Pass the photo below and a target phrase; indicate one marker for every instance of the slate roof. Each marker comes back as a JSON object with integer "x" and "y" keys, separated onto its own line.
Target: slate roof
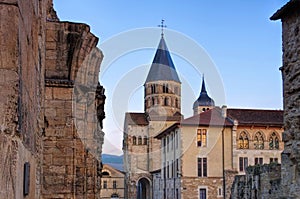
{"x": 289, "y": 8}
{"x": 136, "y": 119}
{"x": 162, "y": 67}
{"x": 204, "y": 99}
{"x": 257, "y": 116}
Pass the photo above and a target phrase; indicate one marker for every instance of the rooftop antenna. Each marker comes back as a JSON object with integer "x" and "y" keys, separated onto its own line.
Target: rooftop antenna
{"x": 162, "y": 27}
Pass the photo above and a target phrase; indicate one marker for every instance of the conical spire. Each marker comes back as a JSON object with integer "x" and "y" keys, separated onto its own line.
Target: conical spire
{"x": 203, "y": 99}
{"x": 162, "y": 67}
{"x": 203, "y": 88}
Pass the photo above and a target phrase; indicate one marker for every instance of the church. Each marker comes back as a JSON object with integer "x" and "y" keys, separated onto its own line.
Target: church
{"x": 167, "y": 156}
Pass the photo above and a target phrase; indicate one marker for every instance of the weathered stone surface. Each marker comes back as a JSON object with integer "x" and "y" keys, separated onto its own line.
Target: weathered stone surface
{"x": 38, "y": 122}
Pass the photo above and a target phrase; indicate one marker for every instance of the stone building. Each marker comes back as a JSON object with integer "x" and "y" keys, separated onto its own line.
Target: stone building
{"x": 281, "y": 181}
{"x": 51, "y": 130}
{"x": 162, "y": 109}
{"x": 112, "y": 182}
{"x": 168, "y": 157}
{"x": 202, "y": 154}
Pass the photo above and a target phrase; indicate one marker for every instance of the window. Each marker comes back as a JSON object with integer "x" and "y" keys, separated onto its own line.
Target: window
{"x": 220, "y": 191}
{"x": 153, "y": 88}
{"x": 243, "y": 142}
{"x": 176, "y": 140}
{"x": 273, "y": 160}
{"x": 201, "y": 137}
{"x": 153, "y": 101}
{"x": 243, "y": 163}
{"x": 171, "y": 142}
{"x": 202, "y": 193}
{"x": 273, "y": 141}
{"x": 165, "y": 88}
{"x": 176, "y": 168}
{"x": 114, "y": 184}
{"x": 165, "y": 173}
{"x": 114, "y": 195}
{"x": 202, "y": 167}
{"x": 168, "y": 144}
{"x": 166, "y": 101}
{"x": 105, "y": 174}
{"x": 168, "y": 170}
{"x": 258, "y": 161}
{"x": 140, "y": 140}
{"x": 145, "y": 140}
{"x": 104, "y": 184}
{"x": 259, "y": 141}
{"x": 164, "y": 145}
{"x": 177, "y": 194}
{"x": 134, "y": 140}
{"x": 176, "y": 103}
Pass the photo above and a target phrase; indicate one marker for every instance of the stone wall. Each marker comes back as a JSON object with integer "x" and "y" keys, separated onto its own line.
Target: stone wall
{"x": 42, "y": 63}
{"x": 73, "y": 112}
{"x": 291, "y": 94}
{"x": 22, "y": 61}
{"x": 259, "y": 182}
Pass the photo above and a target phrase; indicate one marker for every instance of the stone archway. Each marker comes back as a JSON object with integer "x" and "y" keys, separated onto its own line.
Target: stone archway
{"x": 143, "y": 189}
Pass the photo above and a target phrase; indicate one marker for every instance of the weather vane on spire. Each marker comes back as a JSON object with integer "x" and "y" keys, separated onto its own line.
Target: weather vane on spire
{"x": 162, "y": 27}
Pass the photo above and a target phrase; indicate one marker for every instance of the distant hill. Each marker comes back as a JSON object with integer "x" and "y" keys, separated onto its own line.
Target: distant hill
{"x": 113, "y": 160}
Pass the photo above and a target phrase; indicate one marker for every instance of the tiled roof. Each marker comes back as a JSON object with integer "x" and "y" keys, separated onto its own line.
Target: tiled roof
{"x": 212, "y": 117}
{"x": 162, "y": 67}
{"x": 290, "y": 7}
{"x": 136, "y": 119}
{"x": 256, "y": 116}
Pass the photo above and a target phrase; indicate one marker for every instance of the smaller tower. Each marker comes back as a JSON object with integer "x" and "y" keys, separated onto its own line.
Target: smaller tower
{"x": 204, "y": 102}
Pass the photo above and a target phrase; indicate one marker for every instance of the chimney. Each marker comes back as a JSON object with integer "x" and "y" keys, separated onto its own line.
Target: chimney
{"x": 224, "y": 111}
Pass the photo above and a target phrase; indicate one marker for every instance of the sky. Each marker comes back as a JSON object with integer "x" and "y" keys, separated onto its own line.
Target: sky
{"x": 233, "y": 43}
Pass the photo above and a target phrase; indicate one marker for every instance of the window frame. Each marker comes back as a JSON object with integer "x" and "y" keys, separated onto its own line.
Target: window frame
{"x": 201, "y": 138}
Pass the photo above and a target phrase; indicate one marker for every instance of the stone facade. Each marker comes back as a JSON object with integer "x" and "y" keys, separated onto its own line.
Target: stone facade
{"x": 206, "y": 165}
{"x": 112, "y": 182}
{"x": 291, "y": 93}
{"x": 49, "y": 94}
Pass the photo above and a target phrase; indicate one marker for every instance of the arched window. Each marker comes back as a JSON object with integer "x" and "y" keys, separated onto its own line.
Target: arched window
{"x": 145, "y": 140}
{"x": 153, "y": 101}
{"x": 243, "y": 142}
{"x": 165, "y": 88}
{"x": 258, "y": 141}
{"x": 134, "y": 140}
{"x": 105, "y": 174}
{"x": 140, "y": 140}
{"x": 114, "y": 195}
{"x": 153, "y": 88}
{"x": 166, "y": 101}
{"x": 274, "y": 141}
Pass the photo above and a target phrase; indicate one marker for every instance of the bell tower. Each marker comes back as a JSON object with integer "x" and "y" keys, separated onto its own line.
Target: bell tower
{"x": 162, "y": 87}
{"x": 204, "y": 102}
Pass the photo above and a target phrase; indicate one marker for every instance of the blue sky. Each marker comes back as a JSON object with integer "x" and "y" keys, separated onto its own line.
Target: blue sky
{"x": 238, "y": 37}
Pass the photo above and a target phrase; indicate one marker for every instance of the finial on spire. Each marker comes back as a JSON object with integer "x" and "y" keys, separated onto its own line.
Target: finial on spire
{"x": 162, "y": 27}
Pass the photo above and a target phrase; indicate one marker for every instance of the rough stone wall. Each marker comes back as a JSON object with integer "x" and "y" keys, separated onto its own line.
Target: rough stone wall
{"x": 22, "y": 61}
{"x": 38, "y": 124}
{"x": 73, "y": 113}
{"x": 291, "y": 94}
{"x": 259, "y": 182}
{"x": 191, "y": 185}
